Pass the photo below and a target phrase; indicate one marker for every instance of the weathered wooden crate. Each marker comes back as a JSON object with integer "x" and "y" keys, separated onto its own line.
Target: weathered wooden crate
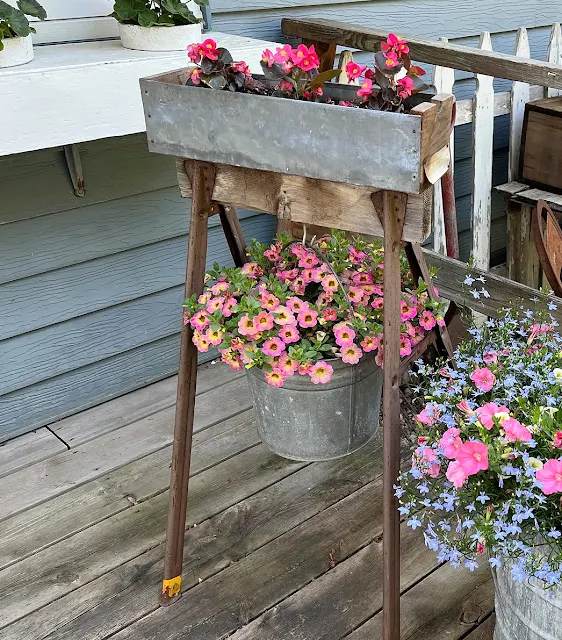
{"x": 541, "y": 144}
{"x": 307, "y": 162}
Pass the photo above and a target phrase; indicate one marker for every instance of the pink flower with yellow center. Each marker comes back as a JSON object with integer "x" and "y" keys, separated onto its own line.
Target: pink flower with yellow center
{"x": 483, "y": 378}
{"x": 330, "y": 314}
{"x": 228, "y": 307}
{"x": 268, "y": 57}
{"x": 219, "y": 287}
{"x": 304, "y": 369}
{"x": 201, "y": 342}
{"x": 354, "y": 70}
{"x": 391, "y": 60}
{"x": 308, "y": 260}
{"x": 273, "y": 347}
{"x": 369, "y": 343}
{"x": 318, "y": 273}
{"x": 246, "y": 326}
{"x": 186, "y": 317}
{"x": 351, "y": 354}
{"x": 286, "y": 365}
{"x": 427, "y": 320}
{"x": 378, "y": 303}
{"x": 283, "y": 315}
{"x": 487, "y": 413}
{"x": 344, "y": 335}
{"x": 407, "y": 312}
{"x": 550, "y": 477}
{"x": 321, "y": 373}
{"x": 196, "y": 76}
{"x": 269, "y": 301}
{"x": 204, "y": 297}
{"x": 405, "y": 87}
{"x": 215, "y": 304}
{"x": 231, "y": 358}
{"x": 296, "y": 305}
{"x": 473, "y": 457}
{"x": 366, "y": 88}
{"x": 200, "y": 320}
{"x": 306, "y": 275}
{"x": 307, "y": 318}
{"x": 456, "y": 474}
{"x": 330, "y": 283}
{"x": 252, "y": 270}
{"x": 275, "y": 378}
{"x": 282, "y": 54}
{"x": 298, "y": 286}
{"x": 214, "y": 336}
{"x": 289, "y": 334}
{"x": 405, "y": 346}
{"x": 263, "y": 321}
{"x": 362, "y": 278}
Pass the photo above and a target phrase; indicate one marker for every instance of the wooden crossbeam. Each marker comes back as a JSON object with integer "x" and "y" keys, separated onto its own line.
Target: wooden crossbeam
{"x": 443, "y": 54}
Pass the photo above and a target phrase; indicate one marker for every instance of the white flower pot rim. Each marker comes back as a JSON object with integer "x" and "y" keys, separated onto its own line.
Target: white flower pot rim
{"x": 16, "y": 51}
{"x": 160, "y": 37}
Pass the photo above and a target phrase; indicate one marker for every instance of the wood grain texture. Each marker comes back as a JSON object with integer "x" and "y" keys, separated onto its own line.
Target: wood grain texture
{"x": 532, "y": 196}
{"x": 554, "y": 55}
{"x": 523, "y": 263}
{"x": 315, "y": 202}
{"x": 485, "y": 631}
{"x": 520, "y": 95}
{"x": 94, "y": 458}
{"x": 64, "y": 515}
{"x": 25, "y": 450}
{"x": 542, "y": 137}
{"x": 444, "y": 54}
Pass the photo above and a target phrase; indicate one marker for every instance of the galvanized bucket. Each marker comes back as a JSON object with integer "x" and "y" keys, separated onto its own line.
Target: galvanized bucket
{"x": 526, "y": 610}
{"x": 309, "y": 422}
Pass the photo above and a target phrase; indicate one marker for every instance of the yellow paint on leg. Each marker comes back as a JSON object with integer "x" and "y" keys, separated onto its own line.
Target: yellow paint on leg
{"x": 171, "y": 587}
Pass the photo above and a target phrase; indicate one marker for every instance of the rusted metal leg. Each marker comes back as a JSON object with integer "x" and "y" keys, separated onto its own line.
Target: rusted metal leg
{"x": 394, "y": 210}
{"x": 234, "y": 234}
{"x": 450, "y": 213}
{"x": 203, "y": 182}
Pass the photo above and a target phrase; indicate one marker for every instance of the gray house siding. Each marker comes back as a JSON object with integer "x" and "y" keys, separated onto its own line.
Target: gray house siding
{"x": 91, "y": 288}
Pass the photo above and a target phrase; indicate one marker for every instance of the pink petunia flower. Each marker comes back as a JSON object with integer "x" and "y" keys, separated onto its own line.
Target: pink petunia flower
{"x": 427, "y": 320}
{"x": 464, "y": 407}
{"x": 275, "y": 378}
{"x": 351, "y": 354}
{"x": 456, "y": 474}
{"x": 289, "y": 333}
{"x": 490, "y": 357}
{"x": 473, "y": 457}
{"x": 425, "y": 458}
{"x": 483, "y": 378}
{"x": 514, "y": 430}
{"x": 451, "y": 443}
{"x": 557, "y": 441}
{"x": 550, "y": 477}
{"x": 321, "y": 373}
{"x": 308, "y": 318}
{"x": 487, "y": 412}
{"x": 273, "y": 347}
{"x": 429, "y": 415}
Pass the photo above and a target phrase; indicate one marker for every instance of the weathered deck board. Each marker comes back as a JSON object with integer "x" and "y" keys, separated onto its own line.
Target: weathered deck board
{"x": 93, "y": 459}
{"x": 485, "y": 631}
{"x": 25, "y": 450}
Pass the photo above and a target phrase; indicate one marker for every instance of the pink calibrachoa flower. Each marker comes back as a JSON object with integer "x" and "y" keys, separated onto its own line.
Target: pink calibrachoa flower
{"x": 252, "y": 270}
{"x": 215, "y": 304}
{"x": 246, "y": 326}
{"x": 356, "y": 256}
{"x": 451, "y": 443}
{"x": 418, "y": 335}
{"x": 366, "y": 88}
{"x": 272, "y": 254}
{"x": 356, "y": 295}
{"x": 275, "y": 377}
{"x": 351, "y": 354}
{"x": 186, "y": 317}
{"x": 354, "y": 70}
{"x": 369, "y": 343}
{"x": 200, "y": 320}
{"x": 214, "y": 336}
{"x": 269, "y": 301}
{"x": 407, "y": 312}
{"x": 483, "y": 378}
{"x": 514, "y": 430}
{"x": 427, "y": 320}
{"x": 201, "y": 342}
{"x": 219, "y": 287}
{"x": 329, "y": 314}
{"x": 456, "y": 474}
{"x": 473, "y": 457}
{"x": 330, "y": 283}
{"x": 263, "y": 321}
{"x": 283, "y": 315}
{"x": 550, "y": 477}
{"x": 304, "y": 369}
{"x": 289, "y": 333}
{"x": 228, "y": 306}
{"x": 308, "y": 260}
{"x": 344, "y": 335}
{"x": 204, "y": 297}
{"x": 296, "y": 305}
{"x": 557, "y": 440}
{"x": 429, "y": 415}
{"x": 308, "y": 318}
{"x": 487, "y": 412}
{"x": 273, "y": 347}
{"x": 321, "y": 372}
{"x": 405, "y": 346}
{"x": 287, "y": 366}
{"x": 378, "y": 303}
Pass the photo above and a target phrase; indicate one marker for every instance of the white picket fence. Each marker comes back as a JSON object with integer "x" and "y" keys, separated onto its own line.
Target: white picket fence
{"x": 481, "y": 110}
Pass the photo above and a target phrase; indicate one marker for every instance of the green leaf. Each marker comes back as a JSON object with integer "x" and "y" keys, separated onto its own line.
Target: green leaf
{"x": 147, "y": 18}
{"x": 224, "y": 55}
{"x": 217, "y": 81}
{"x": 323, "y": 77}
{"x": 32, "y": 8}
{"x": 128, "y": 10}
{"x": 275, "y": 72}
{"x": 1, "y": 45}
{"x": 16, "y": 20}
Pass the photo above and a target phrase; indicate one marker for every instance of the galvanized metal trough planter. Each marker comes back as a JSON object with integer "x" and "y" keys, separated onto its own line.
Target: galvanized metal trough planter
{"x": 309, "y": 158}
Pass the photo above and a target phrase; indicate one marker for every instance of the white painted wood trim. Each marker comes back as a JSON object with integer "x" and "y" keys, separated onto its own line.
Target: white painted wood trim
{"x": 483, "y": 136}
{"x": 554, "y": 55}
{"x": 92, "y": 88}
{"x": 520, "y": 95}
{"x": 65, "y": 9}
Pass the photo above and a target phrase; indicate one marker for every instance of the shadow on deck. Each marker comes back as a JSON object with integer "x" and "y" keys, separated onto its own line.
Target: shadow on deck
{"x": 275, "y": 550}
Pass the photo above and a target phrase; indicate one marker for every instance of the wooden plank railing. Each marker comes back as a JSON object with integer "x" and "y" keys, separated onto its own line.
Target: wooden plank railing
{"x": 533, "y": 79}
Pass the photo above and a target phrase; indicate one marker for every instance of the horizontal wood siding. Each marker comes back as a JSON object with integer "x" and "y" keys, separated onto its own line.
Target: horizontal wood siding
{"x": 91, "y": 288}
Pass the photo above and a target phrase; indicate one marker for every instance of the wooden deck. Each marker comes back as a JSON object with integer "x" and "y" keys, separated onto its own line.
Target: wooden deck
{"x": 276, "y": 550}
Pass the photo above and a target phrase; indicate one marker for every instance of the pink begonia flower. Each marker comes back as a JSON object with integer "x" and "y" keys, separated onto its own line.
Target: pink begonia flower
{"x": 427, "y": 320}
{"x": 366, "y": 88}
{"x": 514, "y": 430}
{"x": 369, "y": 343}
{"x": 425, "y": 459}
{"x": 490, "y": 357}
{"x": 305, "y": 57}
{"x": 394, "y": 42}
{"x": 267, "y": 57}
{"x": 343, "y": 335}
{"x": 351, "y": 354}
{"x": 557, "y": 441}
{"x": 263, "y": 321}
{"x": 451, "y": 443}
{"x": 464, "y": 407}
{"x": 195, "y": 76}
{"x": 473, "y": 457}
{"x": 275, "y": 378}
{"x": 405, "y": 346}
{"x": 321, "y": 373}
{"x": 483, "y": 378}
{"x": 456, "y": 474}
{"x": 354, "y": 70}
{"x": 282, "y": 54}
{"x": 193, "y": 52}
{"x": 289, "y": 333}
{"x": 405, "y": 87}
{"x": 550, "y": 477}
{"x": 209, "y": 49}
{"x": 308, "y": 318}
{"x": 391, "y": 60}
{"x": 241, "y": 67}
{"x": 487, "y": 412}
{"x": 200, "y": 320}
{"x": 283, "y": 315}
{"x": 429, "y": 415}
{"x": 286, "y": 85}
{"x": 345, "y": 103}
{"x": 273, "y": 347}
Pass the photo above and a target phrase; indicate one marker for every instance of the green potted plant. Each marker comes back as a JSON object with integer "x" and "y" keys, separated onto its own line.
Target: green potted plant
{"x": 305, "y": 321}
{"x": 486, "y": 475}
{"x": 158, "y": 25}
{"x": 16, "y": 46}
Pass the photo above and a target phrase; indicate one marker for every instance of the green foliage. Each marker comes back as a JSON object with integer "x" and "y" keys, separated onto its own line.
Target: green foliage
{"x": 14, "y": 24}
{"x": 151, "y": 13}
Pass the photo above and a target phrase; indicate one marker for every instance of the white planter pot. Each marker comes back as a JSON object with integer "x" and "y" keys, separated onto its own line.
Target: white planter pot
{"x": 16, "y": 51}
{"x": 161, "y": 38}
